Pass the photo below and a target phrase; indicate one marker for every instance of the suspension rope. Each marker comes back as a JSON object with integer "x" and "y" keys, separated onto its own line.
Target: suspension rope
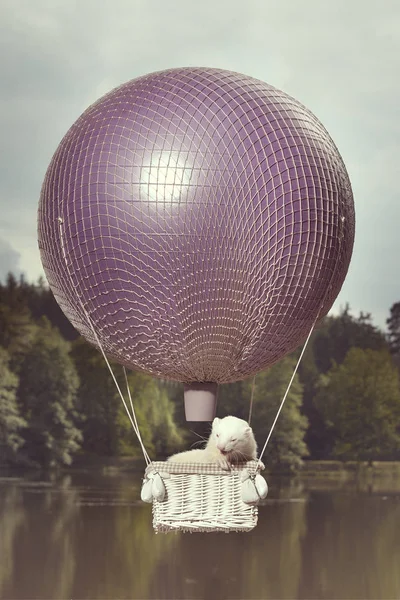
{"x": 132, "y": 417}
{"x": 137, "y": 430}
{"x": 287, "y": 391}
{"x": 251, "y": 399}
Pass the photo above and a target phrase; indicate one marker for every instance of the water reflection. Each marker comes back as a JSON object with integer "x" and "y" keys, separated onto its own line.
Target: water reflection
{"x": 90, "y": 537}
{"x": 40, "y": 551}
{"x": 356, "y": 555}
{"x": 11, "y": 518}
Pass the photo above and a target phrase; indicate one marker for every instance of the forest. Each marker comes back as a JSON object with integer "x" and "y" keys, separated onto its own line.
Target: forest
{"x": 59, "y": 404}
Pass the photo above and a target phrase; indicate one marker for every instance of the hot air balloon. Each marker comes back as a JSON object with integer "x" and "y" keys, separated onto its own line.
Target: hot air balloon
{"x": 195, "y": 222}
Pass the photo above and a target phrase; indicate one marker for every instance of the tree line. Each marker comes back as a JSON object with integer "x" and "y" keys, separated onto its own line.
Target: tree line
{"x": 58, "y": 402}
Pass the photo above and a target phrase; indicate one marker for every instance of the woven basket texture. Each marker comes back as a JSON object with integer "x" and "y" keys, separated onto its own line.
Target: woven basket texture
{"x": 202, "y": 498}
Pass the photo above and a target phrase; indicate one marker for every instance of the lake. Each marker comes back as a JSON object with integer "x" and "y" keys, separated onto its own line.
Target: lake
{"x": 88, "y": 536}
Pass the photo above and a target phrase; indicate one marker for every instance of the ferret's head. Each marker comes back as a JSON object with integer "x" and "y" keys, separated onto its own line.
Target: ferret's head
{"x": 232, "y": 436}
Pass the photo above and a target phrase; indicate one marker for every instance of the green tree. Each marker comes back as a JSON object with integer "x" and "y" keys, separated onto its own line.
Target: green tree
{"x": 329, "y": 344}
{"x": 11, "y": 422}
{"x": 337, "y": 334}
{"x": 156, "y": 415}
{"x": 33, "y": 300}
{"x": 106, "y": 428}
{"x": 286, "y": 446}
{"x": 317, "y": 437}
{"x": 233, "y": 399}
{"x": 360, "y": 401}
{"x": 175, "y": 392}
{"x": 47, "y": 394}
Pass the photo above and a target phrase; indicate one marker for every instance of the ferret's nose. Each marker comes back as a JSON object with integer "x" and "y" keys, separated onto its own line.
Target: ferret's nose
{"x": 220, "y": 447}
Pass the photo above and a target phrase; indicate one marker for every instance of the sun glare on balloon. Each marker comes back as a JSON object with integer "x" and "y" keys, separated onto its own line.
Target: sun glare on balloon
{"x": 166, "y": 178}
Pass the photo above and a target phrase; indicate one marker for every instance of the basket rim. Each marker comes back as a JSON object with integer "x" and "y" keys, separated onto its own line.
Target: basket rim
{"x": 173, "y": 468}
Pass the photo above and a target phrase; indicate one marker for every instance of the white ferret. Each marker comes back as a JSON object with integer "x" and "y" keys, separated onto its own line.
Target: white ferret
{"x": 231, "y": 441}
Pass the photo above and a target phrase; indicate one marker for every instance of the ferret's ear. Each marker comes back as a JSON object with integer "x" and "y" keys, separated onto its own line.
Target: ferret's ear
{"x": 215, "y": 422}
{"x": 247, "y": 430}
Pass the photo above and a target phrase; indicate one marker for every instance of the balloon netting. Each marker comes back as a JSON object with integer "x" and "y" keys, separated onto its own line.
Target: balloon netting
{"x": 205, "y": 218}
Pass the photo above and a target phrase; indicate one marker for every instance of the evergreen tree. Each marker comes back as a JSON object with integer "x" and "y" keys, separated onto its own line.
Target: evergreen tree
{"x": 337, "y": 334}
{"x": 16, "y": 332}
{"x": 41, "y": 303}
{"x": 360, "y": 401}
{"x": 47, "y": 394}
{"x": 35, "y": 300}
{"x": 11, "y": 422}
{"x": 393, "y": 323}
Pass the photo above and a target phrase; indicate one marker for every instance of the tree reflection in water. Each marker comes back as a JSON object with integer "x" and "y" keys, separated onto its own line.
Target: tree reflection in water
{"x": 91, "y": 537}
{"x": 11, "y": 519}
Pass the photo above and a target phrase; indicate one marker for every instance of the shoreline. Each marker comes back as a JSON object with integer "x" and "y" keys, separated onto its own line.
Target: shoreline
{"x": 382, "y": 478}
{"x": 310, "y": 468}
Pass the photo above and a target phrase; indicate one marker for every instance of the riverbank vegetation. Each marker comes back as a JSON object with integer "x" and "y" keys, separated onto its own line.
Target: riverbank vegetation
{"x": 58, "y": 403}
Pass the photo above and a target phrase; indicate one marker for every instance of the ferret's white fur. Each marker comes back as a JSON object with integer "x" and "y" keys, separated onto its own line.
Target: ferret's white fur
{"x": 231, "y": 441}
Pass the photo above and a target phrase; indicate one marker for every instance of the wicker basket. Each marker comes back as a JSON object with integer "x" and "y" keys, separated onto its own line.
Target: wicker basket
{"x": 202, "y": 497}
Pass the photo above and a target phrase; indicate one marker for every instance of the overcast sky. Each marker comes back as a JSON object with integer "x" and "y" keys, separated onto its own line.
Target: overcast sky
{"x": 341, "y": 59}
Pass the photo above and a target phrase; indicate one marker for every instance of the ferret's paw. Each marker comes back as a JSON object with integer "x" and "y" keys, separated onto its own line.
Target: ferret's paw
{"x": 224, "y": 464}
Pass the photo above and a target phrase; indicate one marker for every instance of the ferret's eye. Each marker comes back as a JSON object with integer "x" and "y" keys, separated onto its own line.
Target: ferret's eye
{"x": 217, "y": 434}
{"x": 233, "y": 439}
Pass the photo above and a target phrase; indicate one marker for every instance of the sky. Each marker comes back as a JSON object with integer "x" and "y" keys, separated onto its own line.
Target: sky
{"x": 341, "y": 59}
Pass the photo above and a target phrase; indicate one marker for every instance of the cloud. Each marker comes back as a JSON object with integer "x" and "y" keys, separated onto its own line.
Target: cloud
{"x": 341, "y": 59}
{"x": 9, "y": 260}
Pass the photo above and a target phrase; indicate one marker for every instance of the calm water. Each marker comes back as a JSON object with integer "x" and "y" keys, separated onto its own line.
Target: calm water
{"x": 89, "y": 537}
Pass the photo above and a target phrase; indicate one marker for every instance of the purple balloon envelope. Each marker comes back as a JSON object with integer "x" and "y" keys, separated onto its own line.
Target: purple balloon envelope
{"x": 202, "y": 220}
